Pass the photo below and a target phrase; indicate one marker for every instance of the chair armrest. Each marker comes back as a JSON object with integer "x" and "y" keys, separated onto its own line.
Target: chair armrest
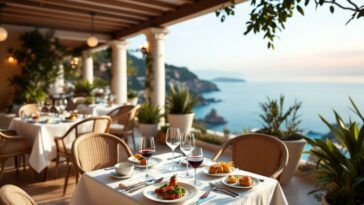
{"x": 8, "y": 132}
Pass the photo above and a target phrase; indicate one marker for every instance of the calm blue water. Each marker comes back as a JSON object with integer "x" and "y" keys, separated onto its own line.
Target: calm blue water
{"x": 240, "y": 105}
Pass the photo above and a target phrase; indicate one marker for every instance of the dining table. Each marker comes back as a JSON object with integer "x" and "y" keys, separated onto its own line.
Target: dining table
{"x": 40, "y": 136}
{"x": 97, "y": 109}
{"x": 100, "y": 187}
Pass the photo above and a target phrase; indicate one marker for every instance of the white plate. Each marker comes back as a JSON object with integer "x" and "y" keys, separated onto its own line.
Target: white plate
{"x": 149, "y": 193}
{"x": 237, "y": 185}
{"x": 151, "y": 162}
{"x": 115, "y": 175}
{"x": 206, "y": 171}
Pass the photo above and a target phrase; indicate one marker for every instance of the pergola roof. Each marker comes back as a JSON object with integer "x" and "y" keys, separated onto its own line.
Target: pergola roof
{"x": 117, "y": 18}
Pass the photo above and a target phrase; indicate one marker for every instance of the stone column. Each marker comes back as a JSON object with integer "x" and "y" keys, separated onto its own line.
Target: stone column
{"x": 155, "y": 37}
{"x": 119, "y": 81}
{"x": 58, "y": 85}
{"x": 88, "y": 68}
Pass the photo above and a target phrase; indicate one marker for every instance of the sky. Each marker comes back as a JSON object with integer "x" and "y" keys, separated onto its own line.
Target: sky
{"x": 315, "y": 47}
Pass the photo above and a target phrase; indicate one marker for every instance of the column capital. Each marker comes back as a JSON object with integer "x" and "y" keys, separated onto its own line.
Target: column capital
{"x": 120, "y": 44}
{"x": 156, "y": 33}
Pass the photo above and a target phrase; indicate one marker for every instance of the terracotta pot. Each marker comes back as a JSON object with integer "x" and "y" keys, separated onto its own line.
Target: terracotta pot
{"x": 183, "y": 122}
{"x": 295, "y": 149}
{"x": 148, "y": 129}
{"x": 161, "y": 136}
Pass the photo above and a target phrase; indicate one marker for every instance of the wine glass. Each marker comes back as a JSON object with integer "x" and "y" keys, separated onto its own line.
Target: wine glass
{"x": 63, "y": 105}
{"x": 147, "y": 149}
{"x": 187, "y": 144}
{"x": 173, "y": 139}
{"x": 58, "y": 106}
{"x": 195, "y": 159}
{"x": 40, "y": 105}
{"x": 48, "y": 104}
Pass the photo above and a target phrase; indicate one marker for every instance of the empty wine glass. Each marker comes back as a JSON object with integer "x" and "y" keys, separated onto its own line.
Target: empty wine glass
{"x": 40, "y": 105}
{"x": 173, "y": 139}
{"x": 195, "y": 159}
{"x": 147, "y": 149}
{"x": 187, "y": 144}
{"x": 48, "y": 104}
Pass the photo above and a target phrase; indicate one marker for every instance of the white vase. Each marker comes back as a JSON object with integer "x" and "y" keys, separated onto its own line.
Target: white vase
{"x": 183, "y": 121}
{"x": 133, "y": 101}
{"x": 295, "y": 149}
{"x": 148, "y": 129}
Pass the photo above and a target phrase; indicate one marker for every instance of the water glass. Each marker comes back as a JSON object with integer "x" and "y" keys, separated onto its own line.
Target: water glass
{"x": 186, "y": 146}
{"x": 173, "y": 140}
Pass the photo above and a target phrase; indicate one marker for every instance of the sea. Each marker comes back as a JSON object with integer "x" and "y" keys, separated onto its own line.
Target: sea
{"x": 240, "y": 104}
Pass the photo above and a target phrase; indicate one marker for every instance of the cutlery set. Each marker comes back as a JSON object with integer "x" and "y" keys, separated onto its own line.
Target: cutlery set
{"x": 135, "y": 187}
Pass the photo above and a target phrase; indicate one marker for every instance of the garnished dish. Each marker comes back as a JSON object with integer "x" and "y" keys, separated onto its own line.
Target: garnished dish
{"x": 240, "y": 181}
{"x": 220, "y": 169}
{"x": 170, "y": 190}
{"x": 141, "y": 159}
{"x": 72, "y": 117}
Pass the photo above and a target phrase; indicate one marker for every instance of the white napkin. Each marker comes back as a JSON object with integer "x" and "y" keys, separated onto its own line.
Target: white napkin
{"x": 129, "y": 182}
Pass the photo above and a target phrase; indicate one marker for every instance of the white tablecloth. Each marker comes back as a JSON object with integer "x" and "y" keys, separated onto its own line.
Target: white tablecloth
{"x": 98, "y": 187}
{"x": 41, "y": 137}
{"x": 97, "y": 109}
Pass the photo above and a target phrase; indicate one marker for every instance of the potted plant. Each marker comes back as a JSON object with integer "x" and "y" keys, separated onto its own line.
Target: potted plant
{"x": 132, "y": 97}
{"x": 149, "y": 116}
{"x": 179, "y": 106}
{"x": 340, "y": 166}
{"x": 284, "y": 124}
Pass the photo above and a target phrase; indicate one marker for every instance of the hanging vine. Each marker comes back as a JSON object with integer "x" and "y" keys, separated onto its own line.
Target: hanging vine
{"x": 148, "y": 74}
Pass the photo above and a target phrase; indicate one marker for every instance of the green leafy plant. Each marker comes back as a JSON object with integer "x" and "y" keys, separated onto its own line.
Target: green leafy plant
{"x": 210, "y": 138}
{"x": 39, "y": 58}
{"x": 274, "y": 117}
{"x": 132, "y": 94}
{"x": 270, "y": 16}
{"x": 180, "y": 100}
{"x": 340, "y": 166}
{"x": 149, "y": 114}
{"x": 83, "y": 87}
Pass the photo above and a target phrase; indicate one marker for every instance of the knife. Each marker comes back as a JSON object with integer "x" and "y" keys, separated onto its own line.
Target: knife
{"x": 203, "y": 196}
{"x": 200, "y": 201}
{"x": 145, "y": 185}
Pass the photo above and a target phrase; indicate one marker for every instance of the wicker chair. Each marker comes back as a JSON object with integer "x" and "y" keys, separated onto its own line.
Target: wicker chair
{"x": 13, "y": 195}
{"x": 12, "y": 145}
{"x": 96, "y": 151}
{"x": 28, "y": 109}
{"x": 100, "y": 124}
{"x": 123, "y": 118}
{"x": 257, "y": 153}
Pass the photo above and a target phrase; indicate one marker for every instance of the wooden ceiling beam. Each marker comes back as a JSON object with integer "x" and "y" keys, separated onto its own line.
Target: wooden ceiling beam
{"x": 53, "y": 23}
{"x": 168, "y": 18}
{"x": 32, "y": 13}
{"x": 153, "y": 4}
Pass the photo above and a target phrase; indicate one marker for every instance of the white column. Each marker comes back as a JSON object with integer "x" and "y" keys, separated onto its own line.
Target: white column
{"x": 155, "y": 37}
{"x": 119, "y": 81}
{"x": 88, "y": 68}
{"x": 58, "y": 85}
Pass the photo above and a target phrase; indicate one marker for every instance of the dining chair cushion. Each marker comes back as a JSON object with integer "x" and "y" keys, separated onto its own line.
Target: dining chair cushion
{"x": 116, "y": 128}
{"x": 13, "y": 195}
{"x": 12, "y": 146}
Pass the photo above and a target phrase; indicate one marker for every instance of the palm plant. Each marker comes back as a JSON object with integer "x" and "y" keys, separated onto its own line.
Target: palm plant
{"x": 149, "y": 114}
{"x": 340, "y": 166}
{"x": 180, "y": 100}
{"x": 274, "y": 117}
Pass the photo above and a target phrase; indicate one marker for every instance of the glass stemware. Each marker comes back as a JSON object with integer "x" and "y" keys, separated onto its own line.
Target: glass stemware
{"x": 147, "y": 149}
{"x": 40, "y": 105}
{"x": 195, "y": 159}
{"x": 187, "y": 144}
{"x": 173, "y": 140}
{"x": 58, "y": 106}
{"x": 48, "y": 104}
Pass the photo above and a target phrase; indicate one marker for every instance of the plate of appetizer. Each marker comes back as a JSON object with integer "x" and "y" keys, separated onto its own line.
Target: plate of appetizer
{"x": 220, "y": 169}
{"x": 139, "y": 161}
{"x": 170, "y": 192}
{"x": 240, "y": 181}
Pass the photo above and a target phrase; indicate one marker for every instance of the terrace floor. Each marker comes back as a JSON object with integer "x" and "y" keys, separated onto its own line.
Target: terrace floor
{"x": 50, "y": 191}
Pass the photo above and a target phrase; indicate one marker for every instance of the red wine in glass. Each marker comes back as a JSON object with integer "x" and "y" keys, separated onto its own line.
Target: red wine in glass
{"x": 147, "y": 153}
{"x": 195, "y": 162}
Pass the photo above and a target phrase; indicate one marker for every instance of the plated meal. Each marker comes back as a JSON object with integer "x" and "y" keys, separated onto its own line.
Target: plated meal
{"x": 240, "y": 181}
{"x": 139, "y": 161}
{"x": 220, "y": 169}
{"x": 170, "y": 190}
{"x": 72, "y": 117}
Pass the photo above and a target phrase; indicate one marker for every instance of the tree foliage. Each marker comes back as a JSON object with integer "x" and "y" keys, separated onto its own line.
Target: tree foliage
{"x": 270, "y": 16}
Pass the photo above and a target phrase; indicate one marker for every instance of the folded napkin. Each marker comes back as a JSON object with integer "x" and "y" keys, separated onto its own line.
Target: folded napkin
{"x": 130, "y": 182}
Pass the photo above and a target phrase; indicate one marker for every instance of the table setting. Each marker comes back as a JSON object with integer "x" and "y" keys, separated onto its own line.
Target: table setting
{"x": 169, "y": 181}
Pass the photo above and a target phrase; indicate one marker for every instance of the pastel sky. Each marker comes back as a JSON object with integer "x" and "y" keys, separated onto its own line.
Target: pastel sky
{"x": 315, "y": 47}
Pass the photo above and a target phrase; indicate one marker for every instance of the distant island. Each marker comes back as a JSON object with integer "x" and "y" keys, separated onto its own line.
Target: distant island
{"x": 228, "y": 79}
{"x": 213, "y": 118}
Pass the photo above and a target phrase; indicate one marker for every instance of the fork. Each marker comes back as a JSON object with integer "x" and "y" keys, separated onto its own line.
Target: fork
{"x": 225, "y": 191}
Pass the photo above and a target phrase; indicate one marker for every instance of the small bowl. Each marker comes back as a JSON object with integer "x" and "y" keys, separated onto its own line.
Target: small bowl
{"x": 124, "y": 168}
